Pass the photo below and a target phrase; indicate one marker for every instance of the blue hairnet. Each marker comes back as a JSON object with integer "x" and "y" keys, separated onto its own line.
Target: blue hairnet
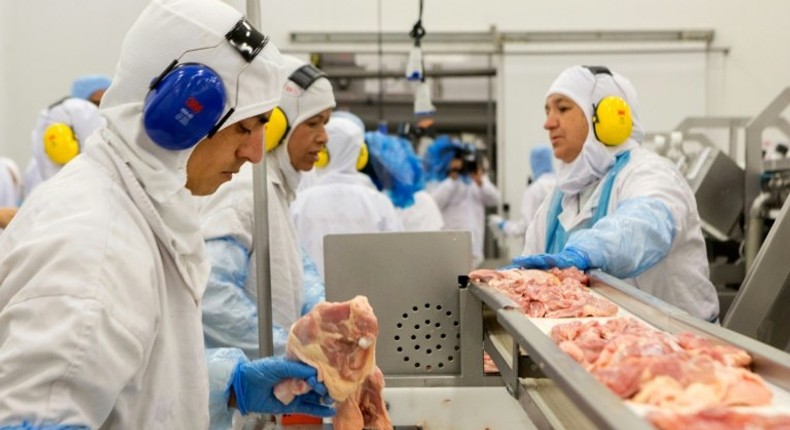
{"x": 438, "y": 156}
{"x": 397, "y": 168}
{"x": 541, "y": 159}
{"x": 86, "y": 85}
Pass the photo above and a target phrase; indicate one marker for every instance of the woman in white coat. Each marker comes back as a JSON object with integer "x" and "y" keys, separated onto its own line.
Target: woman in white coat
{"x": 618, "y": 207}
{"x": 295, "y": 136}
{"x": 102, "y": 271}
{"x": 342, "y": 200}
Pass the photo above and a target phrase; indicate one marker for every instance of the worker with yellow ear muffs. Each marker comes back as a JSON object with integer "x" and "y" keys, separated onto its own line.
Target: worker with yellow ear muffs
{"x": 617, "y": 207}
{"x": 295, "y": 135}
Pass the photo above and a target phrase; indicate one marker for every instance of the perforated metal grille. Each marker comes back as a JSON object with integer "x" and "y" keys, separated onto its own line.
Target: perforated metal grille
{"x": 427, "y": 338}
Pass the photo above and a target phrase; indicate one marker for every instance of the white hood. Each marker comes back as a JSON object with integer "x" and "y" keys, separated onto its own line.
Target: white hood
{"x": 298, "y": 105}
{"x": 344, "y": 146}
{"x": 163, "y": 32}
{"x": 83, "y": 118}
{"x": 585, "y": 89}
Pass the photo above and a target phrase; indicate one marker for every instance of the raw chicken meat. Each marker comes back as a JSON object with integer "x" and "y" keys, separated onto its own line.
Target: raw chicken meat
{"x": 339, "y": 340}
{"x": 652, "y": 367}
{"x": 718, "y": 419}
{"x": 550, "y": 294}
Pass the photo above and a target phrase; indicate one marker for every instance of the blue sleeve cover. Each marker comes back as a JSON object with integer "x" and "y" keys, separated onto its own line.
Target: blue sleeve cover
{"x": 230, "y": 314}
{"x": 630, "y": 240}
{"x": 221, "y": 362}
{"x": 314, "y": 291}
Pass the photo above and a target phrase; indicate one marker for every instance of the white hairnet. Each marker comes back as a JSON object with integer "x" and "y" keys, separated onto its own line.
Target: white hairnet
{"x": 164, "y": 31}
{"x": 79, "y": 114}
{"x": 585, "y": 89}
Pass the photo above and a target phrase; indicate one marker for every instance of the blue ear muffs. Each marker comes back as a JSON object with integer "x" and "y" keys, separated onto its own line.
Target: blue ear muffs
{"x": 185, "y": 102}
{"x": 183, "y": 105}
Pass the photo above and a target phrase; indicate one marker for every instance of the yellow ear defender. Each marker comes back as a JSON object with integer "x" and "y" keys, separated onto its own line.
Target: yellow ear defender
{"x": 612, "y": 121}
{"x": 276, "y": 129}
{"x": 362, "y": 159}
{"x": 60, "y": 144}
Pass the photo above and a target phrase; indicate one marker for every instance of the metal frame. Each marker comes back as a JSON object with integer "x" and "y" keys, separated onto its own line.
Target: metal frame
{"x": 548, "y": 366}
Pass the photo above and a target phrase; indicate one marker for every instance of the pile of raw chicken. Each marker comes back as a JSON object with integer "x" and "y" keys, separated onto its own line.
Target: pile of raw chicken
{"x": 687, "y": 381}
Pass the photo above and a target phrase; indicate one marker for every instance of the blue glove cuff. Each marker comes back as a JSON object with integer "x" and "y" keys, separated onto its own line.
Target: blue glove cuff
{"x": 501, "y": 224}
{"x": 238, "y": 388}
{"x": 580, "y": 257}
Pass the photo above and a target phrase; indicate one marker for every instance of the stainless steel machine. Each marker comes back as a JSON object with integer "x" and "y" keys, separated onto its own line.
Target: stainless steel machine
{"x": 435, "y": 326}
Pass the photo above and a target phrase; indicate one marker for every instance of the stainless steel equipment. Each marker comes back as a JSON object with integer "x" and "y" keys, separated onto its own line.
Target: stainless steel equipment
{"x": 558, "y": 393}
{"x": 408, "y": 279}
{"x": 760, "y": 309}
{"x": 717, "y": 183}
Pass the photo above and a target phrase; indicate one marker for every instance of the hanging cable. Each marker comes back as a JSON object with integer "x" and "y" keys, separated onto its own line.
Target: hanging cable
{"x": 414, "y": 67}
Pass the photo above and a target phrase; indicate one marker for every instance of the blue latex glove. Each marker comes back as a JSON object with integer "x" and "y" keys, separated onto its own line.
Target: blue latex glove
{"x": 567, "y": 258}
{"x": 254, "y": 381}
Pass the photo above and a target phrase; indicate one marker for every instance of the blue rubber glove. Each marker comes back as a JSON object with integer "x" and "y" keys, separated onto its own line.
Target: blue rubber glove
{"x": 567, "y": 258}
{"x": 254, "y": 381}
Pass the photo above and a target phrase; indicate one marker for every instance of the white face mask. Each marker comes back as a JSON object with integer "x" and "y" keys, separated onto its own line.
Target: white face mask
{"x": 592, "y": 163}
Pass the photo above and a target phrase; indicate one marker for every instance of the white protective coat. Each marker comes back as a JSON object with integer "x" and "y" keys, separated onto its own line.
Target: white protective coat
{"x": 463, "y": 205}
{"x": 423, "y": 215}
{"x": 342, "y": 200}
{"x": 102, "y": 272}
{"x": 10, "y": 183}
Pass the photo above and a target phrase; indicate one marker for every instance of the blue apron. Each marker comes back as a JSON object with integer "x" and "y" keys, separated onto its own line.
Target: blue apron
{"x": 556, "y": 236}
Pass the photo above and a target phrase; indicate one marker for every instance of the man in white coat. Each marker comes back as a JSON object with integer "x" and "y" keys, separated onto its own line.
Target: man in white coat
{"x": 617, "y": 207}
{"x": 342, "y": 200}
{"x": 230, "y": 315}
{"x": 102, "y": 272}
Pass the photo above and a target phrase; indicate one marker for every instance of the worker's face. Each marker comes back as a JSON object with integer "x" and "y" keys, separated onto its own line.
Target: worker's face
{"x": 567, "y": 127}
{"x": 215, "y": 160}
{"x": 307, "y": 140}
{"x": 96, "y": 96}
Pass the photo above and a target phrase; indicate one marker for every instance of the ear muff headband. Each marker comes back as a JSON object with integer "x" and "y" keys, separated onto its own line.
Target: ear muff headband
{"x": 362, "y": 158}
{"x": 276, "y": 129}
{"x": 185, "y": 102}
{"x": 612, "y": 120}
{"x": 60, "y": 143}
{"x": 279, "y": 126}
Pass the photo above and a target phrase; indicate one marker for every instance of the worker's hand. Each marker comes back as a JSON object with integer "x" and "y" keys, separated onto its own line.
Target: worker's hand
{"x": 253, "y": 383}
{"x": 569, "y": 257}
{"x": 496, "y": 222}
{"x": 477, "y": 176}
{"x": 6, "y": 215}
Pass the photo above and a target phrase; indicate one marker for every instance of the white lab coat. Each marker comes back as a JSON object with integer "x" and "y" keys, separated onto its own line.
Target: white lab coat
{"x": 681, "y": 278}
{"x": 533, "y": 196}
{"x": 342, "y": 200}
{"x": 463, "y": 205}
{"x": 102, "y": 271}
{"x": 98, "y": 326}
{"x": 423, "y": 215}
{"x": 229, "y": 213}
{"x": 10, "y": 183}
